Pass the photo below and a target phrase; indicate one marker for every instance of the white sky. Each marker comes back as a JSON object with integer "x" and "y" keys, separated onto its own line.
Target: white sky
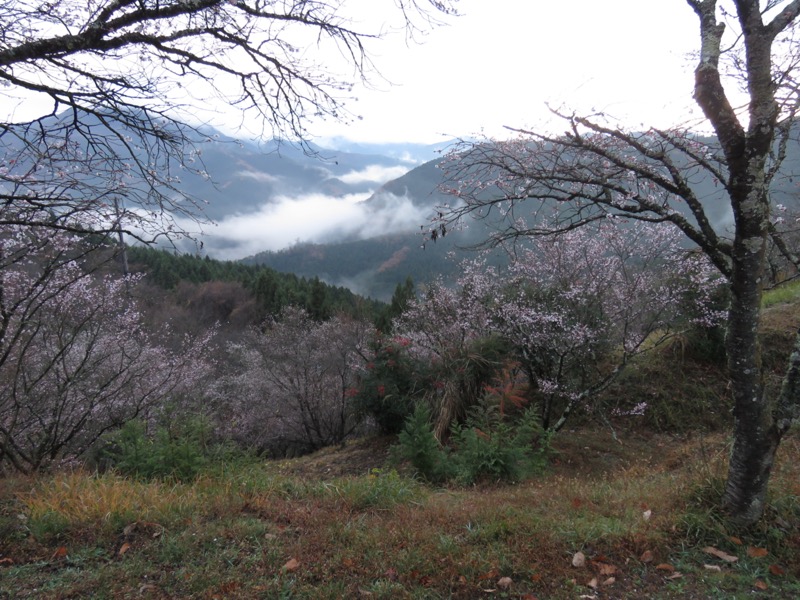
{"x": 501, "y": 62}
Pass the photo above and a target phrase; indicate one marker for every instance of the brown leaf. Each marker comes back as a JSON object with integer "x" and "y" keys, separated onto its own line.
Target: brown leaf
{"x": 425, "y": 580}
{"x": 504, "y": 582}
{"x": 609, "y": 581}
{"x": 291, "y": 565}
{"x": 528, "y": 597}
{"x": 760, "y": 585}
{"x": 6, "y": 561}
{"x": 647, "y": 556}
{"x": 776, "y": 570}
{"x": 593, "y": 583}
{"x": 124, "y": 548}
{"x": 579, "y": 560}
{"x": 735, "y": 540}
{"x": 716, "y": 568}
{"x": 391, "y": 574}
{"x": 576, "y": 503}
{"x": 754, "y": 552}
{"x": 605, "y": 569}
{"x": 720, "y": 554}
{"x": 675, "y": 575}
{"x": 665, "y": 567}
{"x": 489, "y": 575}
{"x": 60, "y": 552}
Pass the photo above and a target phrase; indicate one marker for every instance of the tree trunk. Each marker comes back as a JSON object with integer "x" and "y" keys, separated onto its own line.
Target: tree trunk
{"x": 758, "y": 424}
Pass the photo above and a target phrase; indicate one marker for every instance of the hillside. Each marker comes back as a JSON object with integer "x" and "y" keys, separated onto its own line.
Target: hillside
{"x": 622, "y": 511}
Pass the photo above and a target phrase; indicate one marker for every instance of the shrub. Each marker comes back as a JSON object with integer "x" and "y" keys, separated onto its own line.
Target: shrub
{"x": 418, "y": 445}
{"x": 391, "y": 385}
{"x": 490, "y": 447}
{"x": 486, "y": 446}
{"x": 180, "y": 452}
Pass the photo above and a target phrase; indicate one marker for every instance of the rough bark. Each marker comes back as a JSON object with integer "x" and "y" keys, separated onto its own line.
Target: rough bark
{"x": 757, "y": 433}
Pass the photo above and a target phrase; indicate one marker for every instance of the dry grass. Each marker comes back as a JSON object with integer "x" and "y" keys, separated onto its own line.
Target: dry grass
{"x": 255, "y": 531}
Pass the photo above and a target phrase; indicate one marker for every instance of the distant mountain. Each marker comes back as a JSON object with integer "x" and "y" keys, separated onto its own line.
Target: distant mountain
{"x": 352, "y": 215}
{"x": 374, "y": 265}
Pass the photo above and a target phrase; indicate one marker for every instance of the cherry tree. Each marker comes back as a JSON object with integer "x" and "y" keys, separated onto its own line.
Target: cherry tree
{"x": 291, "y": 389}
{"x": 449, "y": 330}
{"x": 571, "y": 310}
{"x": 75, "y": 360}
{"x": 599, "y": 168}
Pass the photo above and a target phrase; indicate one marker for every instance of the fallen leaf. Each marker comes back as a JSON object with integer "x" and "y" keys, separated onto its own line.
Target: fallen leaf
{"x": 754, "y": 552}
{"x": 593, "y": 583}
{"x": 576, "y": 503}
{"x": 675, "y": 575}
{"x": 760, "y": 585}
{"x": 504, "y": 582}
{"x": 716, "y": 568}
{"x": 124, "y": 548}
{"x": 528, "y": 597}
{"x": 647, "y": 556}
{"x": 536, "y": 577}
{"x": 425, "y": 581}
{"x": 609, "y": 581}
{"x": 665, "y": 567}
{"x": 391, "y": 574}
{"x": 462, "y": 580}
{"x": 60, "y": 552}
{"x": 776, "y": 570}
{"x": 147, "y": 587}
{"x": 6, "y": 561}
{"x": 291, "y": 565}
{"x": 720, "y": 554}
{"x": 489, "y": 575}
{"x": 606, "y": 569}
{"x": 647, "y": 514}
{"x": 579, "y": 560}
{"x": 735, "y": 540}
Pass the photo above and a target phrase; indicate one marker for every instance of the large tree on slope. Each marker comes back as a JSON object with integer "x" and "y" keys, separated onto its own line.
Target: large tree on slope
{"x": 598, "y": 169}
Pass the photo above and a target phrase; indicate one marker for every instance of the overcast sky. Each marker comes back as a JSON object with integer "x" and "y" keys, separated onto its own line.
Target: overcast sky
{"x": 501, "y": 62}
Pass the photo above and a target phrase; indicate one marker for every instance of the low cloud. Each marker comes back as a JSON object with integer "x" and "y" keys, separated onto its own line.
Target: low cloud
{"x": 258, "y": 176}
{"x": 376, "y": 173}
{"x": 312, "y": 217}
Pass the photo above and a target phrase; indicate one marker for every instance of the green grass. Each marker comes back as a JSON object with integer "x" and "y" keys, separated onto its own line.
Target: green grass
{"x": 253, "y": 531}
{"x": 783, "y": 294}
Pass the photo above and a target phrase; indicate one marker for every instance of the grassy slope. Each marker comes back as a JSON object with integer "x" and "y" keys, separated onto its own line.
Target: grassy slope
{"x": 329, "y": 526}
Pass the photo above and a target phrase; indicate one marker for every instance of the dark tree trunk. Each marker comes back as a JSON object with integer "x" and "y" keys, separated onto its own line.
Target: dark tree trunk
{"x": 759, "y": 422}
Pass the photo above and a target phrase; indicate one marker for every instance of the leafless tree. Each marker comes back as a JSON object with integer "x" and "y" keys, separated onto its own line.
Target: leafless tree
{"x": 108, "y": 152}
